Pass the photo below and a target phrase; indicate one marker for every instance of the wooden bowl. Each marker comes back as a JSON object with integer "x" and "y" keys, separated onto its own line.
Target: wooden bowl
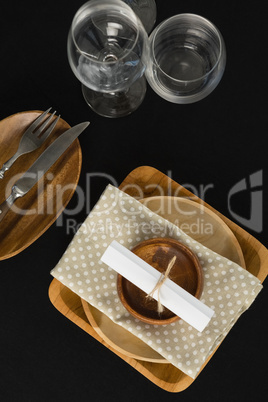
{"x": 186, "y": 272}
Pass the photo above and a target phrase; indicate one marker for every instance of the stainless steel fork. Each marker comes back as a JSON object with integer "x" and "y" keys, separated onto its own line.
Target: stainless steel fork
{"x": 33, "y": 138}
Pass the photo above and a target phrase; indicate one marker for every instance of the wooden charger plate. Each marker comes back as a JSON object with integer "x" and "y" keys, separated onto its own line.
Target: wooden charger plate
{"x": 48, "y": 198}
{"x": 212, "y": 233}
{"x": 149, "y": 182}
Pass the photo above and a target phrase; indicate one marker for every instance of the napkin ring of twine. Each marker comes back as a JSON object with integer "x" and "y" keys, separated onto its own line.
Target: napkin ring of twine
{"x": 159, "y": 284}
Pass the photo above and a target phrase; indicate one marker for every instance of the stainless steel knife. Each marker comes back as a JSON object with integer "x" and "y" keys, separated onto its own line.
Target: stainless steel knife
{"x": 41, "y": 166}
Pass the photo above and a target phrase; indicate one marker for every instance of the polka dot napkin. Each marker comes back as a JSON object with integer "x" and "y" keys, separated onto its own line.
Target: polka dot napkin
{"x": 228, "y": 288}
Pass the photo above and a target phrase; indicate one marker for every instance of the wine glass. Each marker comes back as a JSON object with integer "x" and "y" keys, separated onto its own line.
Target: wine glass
{"x": 145, "y": 10}
{"x": 108, "y": 51}
{"x": 187, "y": 58}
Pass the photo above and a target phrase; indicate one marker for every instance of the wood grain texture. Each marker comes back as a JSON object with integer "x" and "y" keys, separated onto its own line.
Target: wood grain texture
{"x": 34, "y": 213}
{"x": 146, "y": 182}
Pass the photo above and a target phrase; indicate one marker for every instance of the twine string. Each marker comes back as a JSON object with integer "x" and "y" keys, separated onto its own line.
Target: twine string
{"x": 159, "y": 284}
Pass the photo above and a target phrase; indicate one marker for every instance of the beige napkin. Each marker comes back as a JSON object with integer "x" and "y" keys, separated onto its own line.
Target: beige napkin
{"x": 228, "y": 288}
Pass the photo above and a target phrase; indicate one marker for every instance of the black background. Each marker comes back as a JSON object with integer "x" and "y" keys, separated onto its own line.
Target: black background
{"x": 217, "y": 141}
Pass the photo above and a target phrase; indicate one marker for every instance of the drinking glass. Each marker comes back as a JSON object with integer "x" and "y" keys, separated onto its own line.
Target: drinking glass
{"x": 145, "y": 10}
{"x": 108, "y": 51}
{"x": 187, "y": 58}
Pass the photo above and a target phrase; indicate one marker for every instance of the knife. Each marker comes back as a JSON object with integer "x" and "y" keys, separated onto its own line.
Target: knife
{"x": 41, "y": 166}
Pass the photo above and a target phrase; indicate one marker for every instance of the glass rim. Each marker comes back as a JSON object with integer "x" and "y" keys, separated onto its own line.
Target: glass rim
{"x": 197, "y": 18}
{"x": 116, "y": 6}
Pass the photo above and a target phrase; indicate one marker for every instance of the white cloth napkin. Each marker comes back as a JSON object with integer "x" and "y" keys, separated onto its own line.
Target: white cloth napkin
{"x": 228, "y": 288}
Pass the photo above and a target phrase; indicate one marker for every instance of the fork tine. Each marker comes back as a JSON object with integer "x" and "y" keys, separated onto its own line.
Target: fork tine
{"x": 38, "y": 120}
{"x": 49, "y": 130}
{"x": 43, "y": 125}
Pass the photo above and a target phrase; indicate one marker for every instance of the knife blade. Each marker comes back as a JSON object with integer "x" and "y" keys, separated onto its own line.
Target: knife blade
{"x": 41, "y": 166}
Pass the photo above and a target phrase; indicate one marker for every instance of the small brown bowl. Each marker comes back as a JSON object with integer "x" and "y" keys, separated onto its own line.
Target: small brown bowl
{"x": 186, "y": 272}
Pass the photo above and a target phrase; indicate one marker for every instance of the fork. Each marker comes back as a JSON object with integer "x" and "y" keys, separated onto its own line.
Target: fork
{"x": 32, "y": 139}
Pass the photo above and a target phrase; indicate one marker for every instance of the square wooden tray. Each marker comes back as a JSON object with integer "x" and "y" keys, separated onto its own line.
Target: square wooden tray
{"x": 146, "y": 181}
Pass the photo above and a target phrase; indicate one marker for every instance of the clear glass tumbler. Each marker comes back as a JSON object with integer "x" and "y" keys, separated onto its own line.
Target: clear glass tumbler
{"x": 187, "y": 58}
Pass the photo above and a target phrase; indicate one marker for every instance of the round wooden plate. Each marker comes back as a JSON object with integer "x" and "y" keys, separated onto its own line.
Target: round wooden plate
{"x": 118, "y": 337}
{"x": 178, "y": 211}
{"x": 41, "y": 206}
{"x": 200, "y": 223}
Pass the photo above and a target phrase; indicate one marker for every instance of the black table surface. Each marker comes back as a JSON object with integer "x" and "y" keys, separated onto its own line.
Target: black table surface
{"x": 212, "y": 144}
